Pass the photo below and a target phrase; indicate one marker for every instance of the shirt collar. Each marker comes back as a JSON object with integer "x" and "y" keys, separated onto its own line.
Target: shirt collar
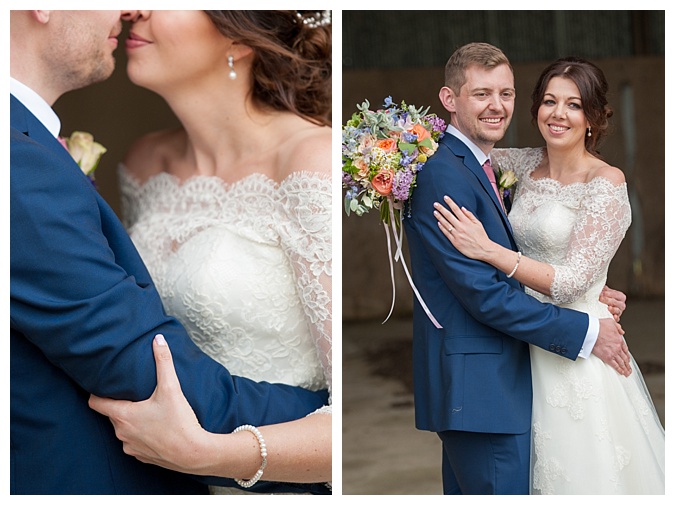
{"x": 481, "y": 157}
{"x": 36, "y": 105}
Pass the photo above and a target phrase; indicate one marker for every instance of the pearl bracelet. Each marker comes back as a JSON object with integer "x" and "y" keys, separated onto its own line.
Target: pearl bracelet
{"x": 516, "y": 267}
{"x": 263, "y": 454}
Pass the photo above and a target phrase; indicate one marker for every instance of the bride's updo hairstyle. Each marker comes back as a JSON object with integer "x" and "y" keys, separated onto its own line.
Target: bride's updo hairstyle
{"x": 292, "y": 63}
{"x": 593, "y": 89}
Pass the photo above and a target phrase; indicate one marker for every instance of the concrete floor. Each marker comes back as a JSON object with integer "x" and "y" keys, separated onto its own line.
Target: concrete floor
{"x": 382, "y": 452}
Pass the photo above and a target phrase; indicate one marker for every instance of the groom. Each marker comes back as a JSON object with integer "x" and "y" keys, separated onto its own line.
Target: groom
{"x": 472, "y": 377}
{"x": 83, "y": 309}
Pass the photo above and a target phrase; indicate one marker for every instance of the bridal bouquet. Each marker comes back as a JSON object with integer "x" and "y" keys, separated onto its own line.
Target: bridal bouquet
{"x": 382, "y": 152}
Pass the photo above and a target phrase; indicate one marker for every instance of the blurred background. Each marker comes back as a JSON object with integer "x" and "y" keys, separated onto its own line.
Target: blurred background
{"x": 402, "y": 54}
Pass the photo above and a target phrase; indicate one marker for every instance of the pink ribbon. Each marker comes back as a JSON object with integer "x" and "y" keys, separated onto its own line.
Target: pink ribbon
{"x": 397, "y": 256}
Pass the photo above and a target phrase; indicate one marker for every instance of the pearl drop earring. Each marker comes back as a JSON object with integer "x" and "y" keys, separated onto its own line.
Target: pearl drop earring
{"x": 588, "y": 133}
{"x": 230, "y": 63}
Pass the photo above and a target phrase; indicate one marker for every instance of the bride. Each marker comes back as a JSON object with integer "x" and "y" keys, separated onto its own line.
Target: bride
{"x": 594, "y": 431}
{"x": 232, "y": 215}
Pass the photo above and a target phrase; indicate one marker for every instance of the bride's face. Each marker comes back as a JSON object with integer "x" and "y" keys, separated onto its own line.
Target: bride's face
{"x": 173, "y": 49}
{"x": 561, "y": 117}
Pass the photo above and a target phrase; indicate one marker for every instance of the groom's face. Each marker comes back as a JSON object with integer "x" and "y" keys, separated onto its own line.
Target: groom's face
{"x": 484, "y": 106}
{"x": 82, "y": 46}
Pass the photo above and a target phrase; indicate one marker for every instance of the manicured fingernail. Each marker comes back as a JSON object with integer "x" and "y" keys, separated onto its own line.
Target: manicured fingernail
{"x": 446, "y": 198}
{"x": 159, "y": 338}
{"x": 437, "y": 205}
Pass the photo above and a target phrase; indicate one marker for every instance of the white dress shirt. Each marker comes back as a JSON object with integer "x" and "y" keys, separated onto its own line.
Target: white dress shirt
{"x": 37, "y": 105}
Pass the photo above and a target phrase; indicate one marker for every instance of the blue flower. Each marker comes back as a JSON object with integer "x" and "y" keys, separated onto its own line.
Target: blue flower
{"x": 409, "y": 137}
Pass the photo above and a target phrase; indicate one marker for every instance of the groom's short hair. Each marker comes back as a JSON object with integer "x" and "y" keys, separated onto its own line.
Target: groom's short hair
{"x": 476, "y": 53}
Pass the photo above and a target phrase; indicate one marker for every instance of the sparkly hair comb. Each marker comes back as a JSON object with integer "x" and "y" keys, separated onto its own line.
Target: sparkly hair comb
{"x": 315, "y": 19}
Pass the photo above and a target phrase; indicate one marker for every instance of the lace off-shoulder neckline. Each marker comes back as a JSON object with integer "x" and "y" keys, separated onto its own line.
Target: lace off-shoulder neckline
{"x": 197, "y": 179}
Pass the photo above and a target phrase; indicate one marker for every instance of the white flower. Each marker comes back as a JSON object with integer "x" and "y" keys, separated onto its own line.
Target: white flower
{"x": 507, "y": 179}
{"x": 85, "y": 151}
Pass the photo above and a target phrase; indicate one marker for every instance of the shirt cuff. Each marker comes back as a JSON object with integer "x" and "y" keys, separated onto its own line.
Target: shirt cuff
{"x": 591, "y": 337}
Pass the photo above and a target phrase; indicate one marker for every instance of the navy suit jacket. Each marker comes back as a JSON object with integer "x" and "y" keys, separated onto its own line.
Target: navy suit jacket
{"x": 474, "y": 373}
{"x": 83, "y": 313}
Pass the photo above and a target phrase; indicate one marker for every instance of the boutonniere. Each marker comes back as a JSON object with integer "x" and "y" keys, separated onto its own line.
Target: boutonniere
{"x": 85, "y": 152}
{"x": 506, "y": 182}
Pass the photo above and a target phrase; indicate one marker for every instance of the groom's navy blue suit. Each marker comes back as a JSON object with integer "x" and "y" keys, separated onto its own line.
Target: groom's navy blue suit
{"x": 473, "y": 375}
{"x": 82, "y": 317}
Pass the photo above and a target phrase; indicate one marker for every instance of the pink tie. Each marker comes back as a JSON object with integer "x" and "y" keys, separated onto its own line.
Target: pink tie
{"x": 62, "y": 141}
{"x": 487, "y": 166}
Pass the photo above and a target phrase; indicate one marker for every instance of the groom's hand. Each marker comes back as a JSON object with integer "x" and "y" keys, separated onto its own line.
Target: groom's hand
{"x": 612, "y": 348}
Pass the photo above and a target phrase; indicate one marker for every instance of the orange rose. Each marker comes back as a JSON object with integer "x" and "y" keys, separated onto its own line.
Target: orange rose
{"x": 383, "y": 182}
{"x": 421, "y": 132}
{"x": 387, "y": 145}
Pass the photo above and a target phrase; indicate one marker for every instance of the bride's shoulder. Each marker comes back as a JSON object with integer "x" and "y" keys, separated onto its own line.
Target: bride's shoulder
{"x": 154, "y": 152}
{"x": 519, "y": 159}
{"x": 308, "y": 149}
{"x": 613, "y": 174}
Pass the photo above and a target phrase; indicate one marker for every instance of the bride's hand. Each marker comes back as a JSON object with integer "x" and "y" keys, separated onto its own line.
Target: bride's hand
{"x": 162, "y": 430}
{"x": 463, "y": 230}
{"x": 615, "y": 301}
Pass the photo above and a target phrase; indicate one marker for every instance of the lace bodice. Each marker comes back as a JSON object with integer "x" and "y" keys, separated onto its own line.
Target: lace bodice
{"x": 576, "y": 228}
{"x": 245, "y": 267}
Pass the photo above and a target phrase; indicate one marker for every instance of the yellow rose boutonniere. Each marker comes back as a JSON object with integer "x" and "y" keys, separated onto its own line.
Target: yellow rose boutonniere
{"x": 506, "y": 182}
{"x": 85, "y": 152}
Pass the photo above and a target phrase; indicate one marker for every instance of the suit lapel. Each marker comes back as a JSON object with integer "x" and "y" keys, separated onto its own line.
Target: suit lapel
{"x": 460, "y": 150}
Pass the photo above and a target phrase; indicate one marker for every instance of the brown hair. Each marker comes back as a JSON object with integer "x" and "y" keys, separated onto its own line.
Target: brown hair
{"x": 292, "y": 64}
{"x": 593, "y": 89}
{"x": 475, "y": 53}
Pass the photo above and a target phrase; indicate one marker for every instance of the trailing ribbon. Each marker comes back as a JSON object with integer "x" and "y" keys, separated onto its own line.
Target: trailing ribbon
{"x": 397, "y": 256}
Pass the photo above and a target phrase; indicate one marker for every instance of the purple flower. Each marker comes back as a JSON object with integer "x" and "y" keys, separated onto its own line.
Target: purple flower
{"x": 437, "y": 124}
{"x": 402, "y": 182}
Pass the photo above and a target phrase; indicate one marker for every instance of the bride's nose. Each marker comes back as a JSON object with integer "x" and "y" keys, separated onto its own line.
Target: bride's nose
{"x": 134, "y": 16}
{"x": 559, "y": 112}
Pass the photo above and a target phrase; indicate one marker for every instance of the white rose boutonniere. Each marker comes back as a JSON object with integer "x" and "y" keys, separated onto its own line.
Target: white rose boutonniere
{"x": 506, "y": 181}
{"x": 85, "y": 151}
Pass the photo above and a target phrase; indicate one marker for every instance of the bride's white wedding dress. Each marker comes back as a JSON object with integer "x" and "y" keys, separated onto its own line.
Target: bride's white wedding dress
{"x": 594, "y": 431}
{"x": 244, "y": 266}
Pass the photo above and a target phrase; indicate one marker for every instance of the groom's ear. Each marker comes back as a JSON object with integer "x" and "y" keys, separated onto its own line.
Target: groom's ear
{"x": 447, "y": 97}
{"x": 41, "y": 17}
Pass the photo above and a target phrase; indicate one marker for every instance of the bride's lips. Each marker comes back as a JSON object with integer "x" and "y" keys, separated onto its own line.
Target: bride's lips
{"x": 135, "y": 41}
{"x": 557, "y": 129}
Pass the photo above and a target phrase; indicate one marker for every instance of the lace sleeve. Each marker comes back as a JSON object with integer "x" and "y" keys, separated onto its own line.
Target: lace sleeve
{"x": 306, "y": 238}
{"x": 604, "y": 218}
